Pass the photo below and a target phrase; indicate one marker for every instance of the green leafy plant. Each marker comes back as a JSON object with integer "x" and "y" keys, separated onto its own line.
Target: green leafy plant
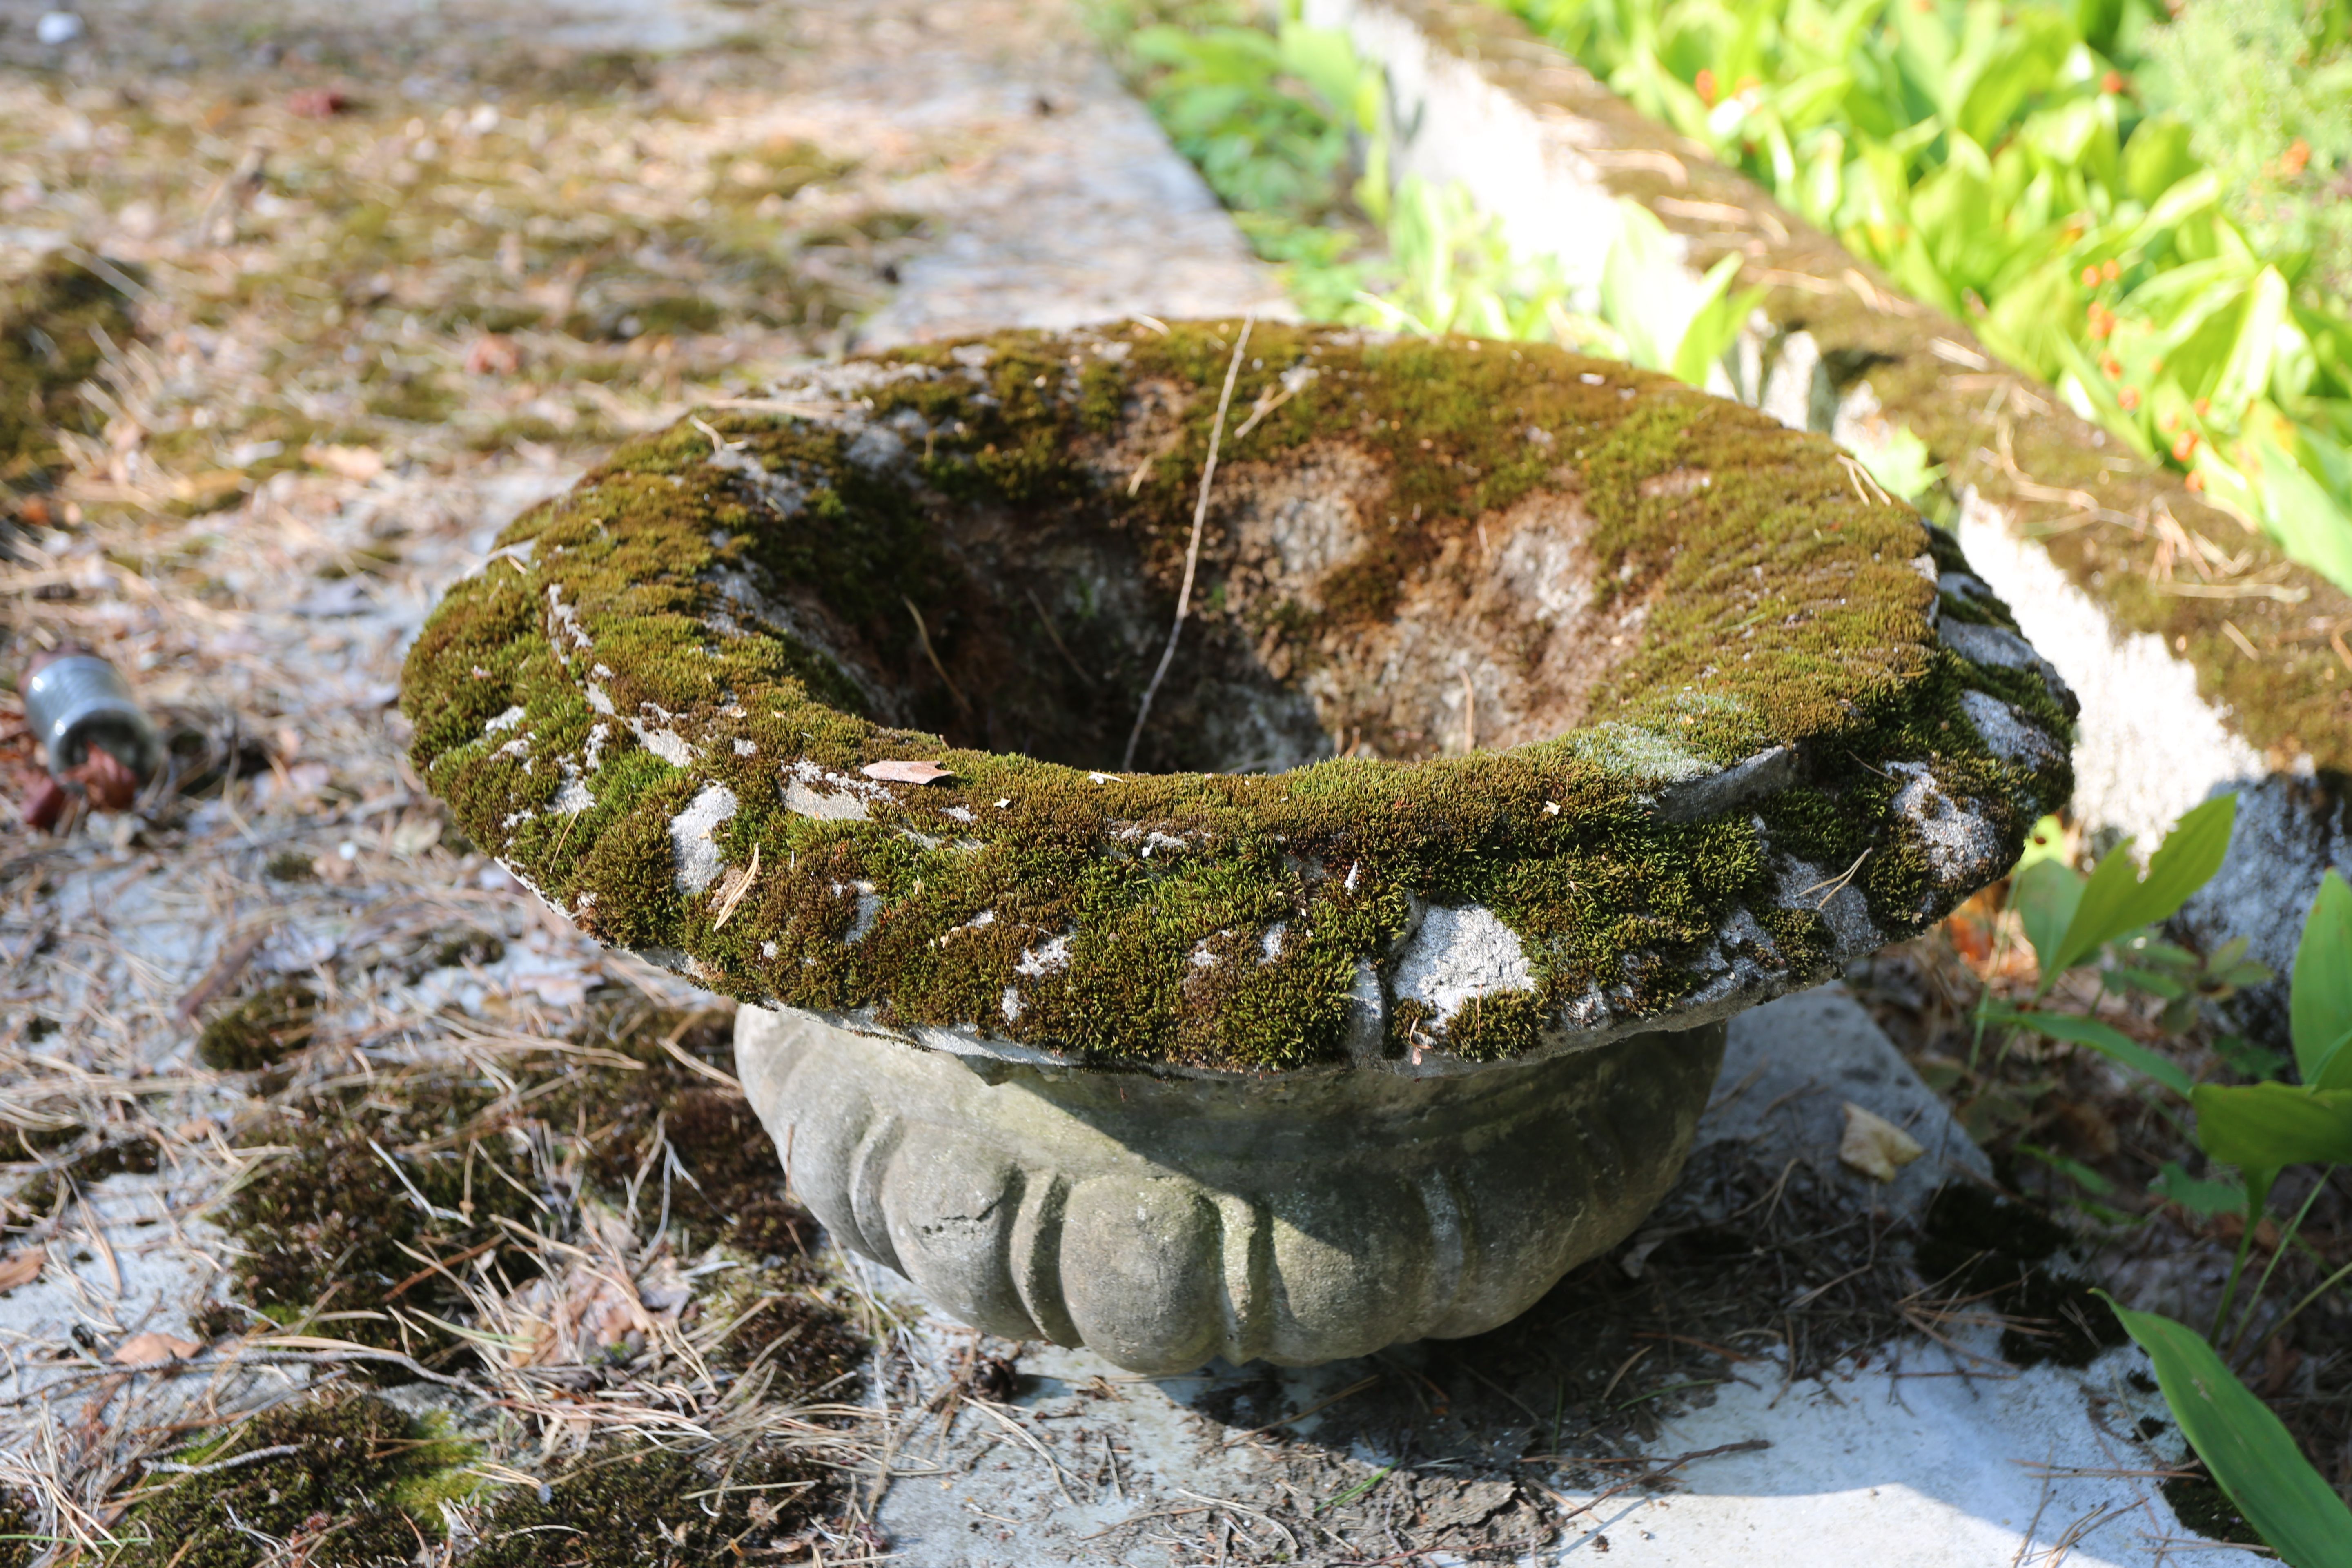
{"x": 1286, "y": 124}
{"x": 2260, "y": 1129}
{"x": 2249, "y": 1452}
{"x": 2150, "y": 214}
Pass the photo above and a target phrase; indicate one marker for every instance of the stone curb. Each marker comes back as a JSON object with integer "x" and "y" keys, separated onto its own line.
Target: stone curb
{"x": 2193, "y": 679}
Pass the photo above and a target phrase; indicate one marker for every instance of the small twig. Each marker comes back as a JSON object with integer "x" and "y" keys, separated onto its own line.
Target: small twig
{"x": 1622, "y": 1371}
{"x": 923, "y": 636}
{"x": 277, "y": 1452}
{"x": 1056, "y": 638}
{"x": 1857, "y": 473}
{"x": 1836, "y": 885}
{"x": 716, "y": 1075}
{"x": 1320, "y": 1404}
{"x": 735, "y": 894}
{"x": 1192, "y": 549}
{"x": 443, "y": 1267}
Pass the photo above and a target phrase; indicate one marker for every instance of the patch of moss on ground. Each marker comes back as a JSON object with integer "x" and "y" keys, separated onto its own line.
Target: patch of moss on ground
{"x": 52, "y": 321}
{"x": 375, "y": 1183}
{"x": 21, "y": 1539}
{"x": 37, "y": 1198}
{"x": 354, "y": 1490}
{"x": 262, "y": 1030}
{"x": 338, "y": 1225}
{"x": 734, "y": 1187}
{"x": 636, "y": 1505}
{"x": 1784, "y": 609}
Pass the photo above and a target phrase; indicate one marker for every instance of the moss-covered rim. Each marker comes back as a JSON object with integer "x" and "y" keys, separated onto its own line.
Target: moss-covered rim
{"x": 596, "y": 700}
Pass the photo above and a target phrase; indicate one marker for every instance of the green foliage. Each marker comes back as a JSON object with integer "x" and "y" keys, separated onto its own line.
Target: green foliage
{"x": 55, "y": 323}
{"x": 335, "y": 1477}
{"x": 2173, "y": 253}
{"x": 2199, "y": 1195}
{"x": 1286, "y": 125}
{"x": 2247, "y": 80}
{"x": 2266, "y": 1126}
{"x": 2259, "y": 1128}
{"x": 2244, "y": 1445}
{"x": 2320, "y": 1013}
{"x": 2117, "y": 900}
{"x": 2108, "y": 1041}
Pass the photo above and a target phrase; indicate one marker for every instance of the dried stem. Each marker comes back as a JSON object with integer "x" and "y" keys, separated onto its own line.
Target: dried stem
{"x": 1192, "y": 549}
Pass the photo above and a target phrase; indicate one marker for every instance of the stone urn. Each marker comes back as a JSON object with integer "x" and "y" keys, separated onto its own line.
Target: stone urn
{"x": 1533, "y": 714}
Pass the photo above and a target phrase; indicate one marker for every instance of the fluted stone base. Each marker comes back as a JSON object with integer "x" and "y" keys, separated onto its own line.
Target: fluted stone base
{"x": 1162, "y": 1221}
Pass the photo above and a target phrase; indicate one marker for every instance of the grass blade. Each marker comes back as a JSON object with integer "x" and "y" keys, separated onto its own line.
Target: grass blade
{"x": 2249, "y": 1452}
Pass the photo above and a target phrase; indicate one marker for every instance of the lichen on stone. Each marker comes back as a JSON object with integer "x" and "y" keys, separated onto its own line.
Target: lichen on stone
{"x": 1494, "y": 647}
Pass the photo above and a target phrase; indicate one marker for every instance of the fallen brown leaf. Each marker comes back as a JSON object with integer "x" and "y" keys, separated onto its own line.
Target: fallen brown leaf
{"x": 1876, "y": 1146}
{"x": 153, "y": 1349}
{"x": 905, "y": 772}
{"x": 22, "y": 1267}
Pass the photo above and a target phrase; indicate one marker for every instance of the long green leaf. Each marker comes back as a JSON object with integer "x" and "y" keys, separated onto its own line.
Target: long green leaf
{"x": 2245, "y": 1446}
{"x": 2264, "y": 1126}
{"x": 2109, "y": 1042}
{"x": 2045, "y": 895}
{"x": 2319, "y": 1007}
{"x": 2116, "y": 900}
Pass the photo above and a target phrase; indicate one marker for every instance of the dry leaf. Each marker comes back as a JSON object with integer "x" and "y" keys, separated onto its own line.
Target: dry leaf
{"x": 360, "y": 463}
{"x": 738, "y": 883}
{"x": 153, "y": 1349}
{"x": 905, "y": 772}
{"x": 1876, "y": 1146}
{"x": 22, "y": 1267}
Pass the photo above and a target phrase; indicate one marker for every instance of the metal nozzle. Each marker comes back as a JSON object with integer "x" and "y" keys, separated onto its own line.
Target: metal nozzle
{"x": 78, "y": 701}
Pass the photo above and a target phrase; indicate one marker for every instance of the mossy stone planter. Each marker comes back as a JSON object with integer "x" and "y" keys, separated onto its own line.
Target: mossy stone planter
{"x": 1536, "y": 714}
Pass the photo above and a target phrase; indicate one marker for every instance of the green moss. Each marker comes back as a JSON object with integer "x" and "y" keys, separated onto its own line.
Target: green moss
{"x": 337, "y": 1225}
{"x": 371, "y": 1183}
{"x": 52, "y": 322}
{"x": 2033, "y": 458}
{"x": 1782, "y": 609}
{"x": 260, "y": 1031}
{"x": 21, "y": 1539}
{"x": 355, "y": 1490}
{"x": 623, "y": 1505}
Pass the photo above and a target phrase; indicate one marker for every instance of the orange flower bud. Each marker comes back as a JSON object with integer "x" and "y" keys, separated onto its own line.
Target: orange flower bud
{"x": 2129, "y": 398}
{"x": 2113, "y": 366}
{"x": 2204, "y": 405}
{"x": 2113, "y": 82}
{"x": 2091, "y": 279}
{"x": 2196, "y": 482}
{"x": 1705, "y": 85}
{"x": 2183, "y": 445}
{"x": 2112, "y": 270}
